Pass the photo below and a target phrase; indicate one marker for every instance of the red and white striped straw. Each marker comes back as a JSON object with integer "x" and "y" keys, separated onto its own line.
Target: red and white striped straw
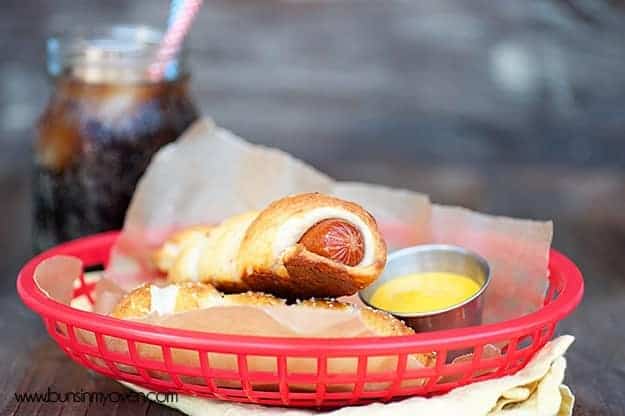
{"x": 174, "y": 37}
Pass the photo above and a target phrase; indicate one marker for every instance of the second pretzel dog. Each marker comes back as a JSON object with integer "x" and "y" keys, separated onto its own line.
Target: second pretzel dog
{"x": 306, "y": 245}
{"x": 200, "y": 307}
{"x": 176, "y": 298}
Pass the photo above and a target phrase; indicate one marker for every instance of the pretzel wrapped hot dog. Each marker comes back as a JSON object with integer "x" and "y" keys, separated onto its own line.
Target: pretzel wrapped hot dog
{"x": 307, "y": 245}
{"x": 200, "y": 307}
{"x": 152, "y": 301}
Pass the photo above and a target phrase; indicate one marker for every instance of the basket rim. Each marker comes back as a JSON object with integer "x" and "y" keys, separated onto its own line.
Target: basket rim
{"x": 559, "y": 265}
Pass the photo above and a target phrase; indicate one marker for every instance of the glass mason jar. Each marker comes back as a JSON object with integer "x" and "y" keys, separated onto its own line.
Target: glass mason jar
{"x": 103, "y": 123}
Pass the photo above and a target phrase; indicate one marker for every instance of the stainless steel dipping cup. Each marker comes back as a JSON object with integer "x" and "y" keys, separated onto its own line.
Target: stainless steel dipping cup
{"x": 437, "y": 258}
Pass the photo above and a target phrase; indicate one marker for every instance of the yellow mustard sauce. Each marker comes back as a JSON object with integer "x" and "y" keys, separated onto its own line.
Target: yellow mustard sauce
{"x": 424, "y": 292}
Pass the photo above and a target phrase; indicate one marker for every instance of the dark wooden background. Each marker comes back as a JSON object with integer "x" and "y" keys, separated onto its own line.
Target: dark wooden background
{"x": 510, "y": 107}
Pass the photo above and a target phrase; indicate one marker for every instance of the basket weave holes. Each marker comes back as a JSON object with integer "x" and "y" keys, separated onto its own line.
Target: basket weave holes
{"x": 109, "y": 343}
{"x": 80, "y": 339}
{"x": 341, "y": 373}
{"x": 147, "y": 352}
{"x": 224, "y": 369}
{"x": 463, "y": 354}
{"x": 525, "y": 342}
{"x": 96, "y": 363}
{"x": 300, "y": 373}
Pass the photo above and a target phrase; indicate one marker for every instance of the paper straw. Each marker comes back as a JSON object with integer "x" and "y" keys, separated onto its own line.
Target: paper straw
{"x": 171, "y": 68}
{"x": 174, "y": 37}
{"x": 174, "y": 8}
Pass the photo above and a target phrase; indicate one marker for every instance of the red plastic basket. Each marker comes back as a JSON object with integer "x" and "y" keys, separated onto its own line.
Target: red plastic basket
{"x": 517, "y": 339}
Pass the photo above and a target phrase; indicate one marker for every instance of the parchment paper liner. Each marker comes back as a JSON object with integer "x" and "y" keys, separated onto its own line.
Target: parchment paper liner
{"x": 210, "y": 174}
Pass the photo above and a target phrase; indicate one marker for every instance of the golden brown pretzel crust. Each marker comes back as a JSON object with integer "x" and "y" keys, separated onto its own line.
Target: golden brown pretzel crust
{"x": 300, "y": 272}
{"x": 193, "y": 296}
{"x": 137, "y": 303}
{"x": 213, "y": 257}
{"x": 240, "y": 254}
{"x": 380, "y": 323}
{"x": 165, "y": 257}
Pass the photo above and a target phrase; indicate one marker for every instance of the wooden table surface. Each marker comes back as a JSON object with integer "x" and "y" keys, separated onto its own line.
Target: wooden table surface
{"x": 512, "y": 108}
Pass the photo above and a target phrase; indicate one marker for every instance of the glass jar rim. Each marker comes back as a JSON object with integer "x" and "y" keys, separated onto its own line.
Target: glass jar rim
{"x": 111, "y": 49}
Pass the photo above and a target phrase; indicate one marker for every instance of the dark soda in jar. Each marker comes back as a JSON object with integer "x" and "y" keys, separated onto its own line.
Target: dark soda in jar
{"x": 103, "y": 123}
